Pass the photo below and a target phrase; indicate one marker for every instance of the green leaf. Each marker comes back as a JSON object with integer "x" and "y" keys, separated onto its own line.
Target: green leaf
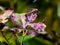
{"x": 33, "y": 41}
{"x": 2, "y": 39}
{"x": 27, "y": 37}
{"x": 20, "y": 39}
{"x": 9, "y": 37}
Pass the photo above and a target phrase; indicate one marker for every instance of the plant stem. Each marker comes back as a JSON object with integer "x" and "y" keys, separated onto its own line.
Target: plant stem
{"x": 21, "y": 43}
{"x": 23, "y": 38}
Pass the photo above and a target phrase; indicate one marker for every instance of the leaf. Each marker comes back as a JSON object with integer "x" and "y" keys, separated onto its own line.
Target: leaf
{"x": 9, "y": 37}
{"x": 27, "y": 37}
{"x": 33, "y": 41}
{"x": 20, "y": 39}
{"x": 2, "y": 38}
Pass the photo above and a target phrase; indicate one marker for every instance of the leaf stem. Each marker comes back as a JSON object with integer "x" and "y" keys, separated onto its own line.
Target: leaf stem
{"x": 24, "y": 33}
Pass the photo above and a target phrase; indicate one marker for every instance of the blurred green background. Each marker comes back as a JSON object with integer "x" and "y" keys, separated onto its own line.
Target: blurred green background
{"x": 47, "y": 8}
